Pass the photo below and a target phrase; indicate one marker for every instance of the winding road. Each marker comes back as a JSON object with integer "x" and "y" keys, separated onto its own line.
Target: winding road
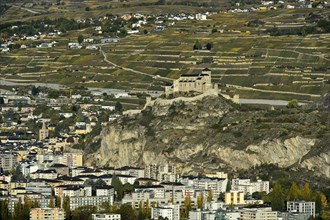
{"x": 105, "y": 58}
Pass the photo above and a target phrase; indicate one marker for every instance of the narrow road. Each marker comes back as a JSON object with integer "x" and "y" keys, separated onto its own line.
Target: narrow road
{"x": 26, "y": 9}
{"x": 271, "y": 91}
{"x": 105, "y": 58}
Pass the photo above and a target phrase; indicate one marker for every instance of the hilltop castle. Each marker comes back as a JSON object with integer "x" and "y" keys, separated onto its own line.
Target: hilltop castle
{"x": 200, "y": 82}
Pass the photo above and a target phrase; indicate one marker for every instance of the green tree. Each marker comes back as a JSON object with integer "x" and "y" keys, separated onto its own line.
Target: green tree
{"x": 127, "y": 212}
{"x": 197, "y": 45}
{"x": 277, "y": 198}
{"x": 35, "y": 91}
{"x": 84, "y": 212}
{"x": 118, "y": 187}
{"x": 293, "y": 103}
{"x": 4, "y": 211}
{"x": 66, "y": 207}
{"x": 118, "y": 106}
{"x": 80, "y": 39}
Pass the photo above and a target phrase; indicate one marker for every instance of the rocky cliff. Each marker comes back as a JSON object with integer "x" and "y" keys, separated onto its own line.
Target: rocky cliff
{"x": 208, "y": 133}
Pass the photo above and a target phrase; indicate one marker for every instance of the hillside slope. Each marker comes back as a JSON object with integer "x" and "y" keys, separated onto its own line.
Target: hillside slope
{"x": 207, "y": 133}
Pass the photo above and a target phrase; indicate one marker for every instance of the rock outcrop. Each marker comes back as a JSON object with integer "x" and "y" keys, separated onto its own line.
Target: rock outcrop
{"x": 207, "y": 133}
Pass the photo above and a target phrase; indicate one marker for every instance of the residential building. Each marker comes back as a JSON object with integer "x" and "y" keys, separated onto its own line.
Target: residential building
{"x": 258, "y": 214}
{"x": 301, "y": 207}
{"x": 171, "y": 212}
{"x": 234, "y": 198}
{"x": 216, "y": 185}
{"x": 248, "y": 187}
{"x": 8, "y": 161}
{"x": 106, "y": 217}
{"x": 47, "y": 213}
{"x": 73, "y": 159}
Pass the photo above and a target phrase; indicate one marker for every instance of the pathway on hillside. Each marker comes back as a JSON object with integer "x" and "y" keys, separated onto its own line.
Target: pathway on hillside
{"x": 26, "y": 9}
{"x": 105, "y": 58}
{"x": 271, "y": 91}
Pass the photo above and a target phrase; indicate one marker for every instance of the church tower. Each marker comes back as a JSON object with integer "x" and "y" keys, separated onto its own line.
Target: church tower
{"x": 43, "y": 132}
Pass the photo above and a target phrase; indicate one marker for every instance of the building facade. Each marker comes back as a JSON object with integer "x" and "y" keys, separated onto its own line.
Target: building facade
{"x": 301, "y": 207}
{"x": 200, "y": 82}
{"x": 47, "y": 213}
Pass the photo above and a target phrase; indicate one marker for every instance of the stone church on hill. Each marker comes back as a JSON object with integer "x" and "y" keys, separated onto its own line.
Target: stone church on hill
{"x": 200, "y": 82}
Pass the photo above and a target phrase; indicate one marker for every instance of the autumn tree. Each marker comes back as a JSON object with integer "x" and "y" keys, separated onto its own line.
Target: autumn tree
{"x": 200, "y": 201}
{"x": 306, "y": 192}
{"x": 294, "y": 192}
{"x": 209, "y": 196}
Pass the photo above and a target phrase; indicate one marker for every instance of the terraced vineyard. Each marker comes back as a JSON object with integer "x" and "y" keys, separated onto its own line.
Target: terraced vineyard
{"x": 243, "y": 59}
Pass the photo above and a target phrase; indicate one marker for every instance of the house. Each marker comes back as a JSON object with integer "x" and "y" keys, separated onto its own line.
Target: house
{"x": 200, "y": 16}
{"x": 106, "y": 216}
{"x": 92, "y": 47}
{"x": 88, "y": 40}
{"x": 133, "y": 31}
{"x": 74, "y": 46}
{"x": 110, "y": 40}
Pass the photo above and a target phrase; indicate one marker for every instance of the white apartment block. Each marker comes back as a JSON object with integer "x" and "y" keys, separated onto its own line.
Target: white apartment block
{"x": 106, "y": 217}
{"x": 172, "y": 212}
{"x": 258, "y": 214}
{"x": 248, "y": 187}
{"x": 216, "y": 185}
{"x": 76, "y": 202}
{"x": 8, "y": 161}
{"x": 202, "y": 215}
{"x": 301, "y": 207}
{"x": 163, "y": 173}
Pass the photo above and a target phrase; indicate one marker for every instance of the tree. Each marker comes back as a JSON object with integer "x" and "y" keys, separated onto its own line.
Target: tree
{"x": 118, "y": 187}
{"x": 214, "y": 30}
{"x": 66, "y": 207}
{"x": 320, "y": 202}
{"x": 4, "y": 211}
{"x": 35, "y": 91}
{"x": 306, "y": 193}
{"x": 80, "y": 39}
{"x": 209, "y": 46}
{"x": 200, "y": 201}
{"x": 127, "y": 212}
{"x": 51, "y": 203}
{"x": 209, "y": 196}
{"x": 18, "y": 175}
{"x": 145, "y": 31}
{"x": 197, "y": 45}
{"x": 118, "y": 106}
{"x": 293, "y": 103}
{"x": 188, "y": 206}
{"x": 294, "y": 192}
{"x": 2, "y": 101}
{"x": 277, "y": 198}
